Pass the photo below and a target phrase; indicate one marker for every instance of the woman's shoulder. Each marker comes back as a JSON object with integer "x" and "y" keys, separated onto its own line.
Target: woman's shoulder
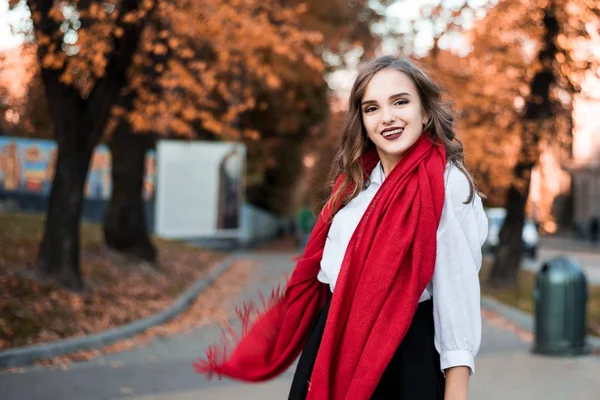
{"x": 457, "y": 184}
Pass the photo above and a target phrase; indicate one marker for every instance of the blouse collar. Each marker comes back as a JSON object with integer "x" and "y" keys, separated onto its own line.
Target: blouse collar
{"x": 377, "y": 175}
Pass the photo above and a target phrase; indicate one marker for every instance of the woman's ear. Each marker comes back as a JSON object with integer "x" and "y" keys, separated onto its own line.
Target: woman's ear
{"x": 426, "y": 117}
{"x": 426, "y": 120}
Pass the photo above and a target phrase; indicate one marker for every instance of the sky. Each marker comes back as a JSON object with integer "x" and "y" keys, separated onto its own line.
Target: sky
{"x": 405, "y": 10}
{"x": 7, "y": 40}
{"x": 399, "y": 16}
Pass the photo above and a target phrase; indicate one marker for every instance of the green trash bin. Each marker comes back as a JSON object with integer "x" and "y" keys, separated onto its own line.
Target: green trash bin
{"x": 560, "y": 298}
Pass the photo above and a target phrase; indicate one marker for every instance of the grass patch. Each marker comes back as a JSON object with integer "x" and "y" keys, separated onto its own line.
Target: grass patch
{"x": 119, "y": 290}
{"x": 521, "y": 296}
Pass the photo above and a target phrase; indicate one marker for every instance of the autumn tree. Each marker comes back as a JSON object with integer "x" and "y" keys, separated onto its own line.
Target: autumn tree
{"x": 82, "y": 79}
{"x": 285, "y": 107}
{"x": 288, "y": 118}
{"x": 561, "y": 58}
{"x": 213, "y": 74}
{"x": 86, "y": 49}
{"x": 515, "y": 89}
{"x": 299, "y": 116}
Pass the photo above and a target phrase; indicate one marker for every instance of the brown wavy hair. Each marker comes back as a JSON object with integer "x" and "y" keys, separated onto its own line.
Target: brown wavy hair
{"x": 355, "y": 141}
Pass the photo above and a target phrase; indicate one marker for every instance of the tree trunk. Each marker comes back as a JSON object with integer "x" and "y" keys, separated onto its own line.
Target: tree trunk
{"x": 537, "y": 109}
{"x": 76, "y": 136}
{"x": 78, "y": 123}
{"x": 59, "y": 251}
{"x": 125, "y": 227}
{"x": 276, "y": 192}
{"x": 125, "y": 222}
{"x": 508, "y": 254}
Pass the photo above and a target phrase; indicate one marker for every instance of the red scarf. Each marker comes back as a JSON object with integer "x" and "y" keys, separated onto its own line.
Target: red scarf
{"x": 388, "y": 263}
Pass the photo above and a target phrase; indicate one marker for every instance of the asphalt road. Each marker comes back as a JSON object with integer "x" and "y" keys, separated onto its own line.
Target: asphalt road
{"x": 161, "y": 370}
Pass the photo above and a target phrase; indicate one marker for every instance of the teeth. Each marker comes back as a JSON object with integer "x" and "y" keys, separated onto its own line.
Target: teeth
{"x": 394, "y": 132}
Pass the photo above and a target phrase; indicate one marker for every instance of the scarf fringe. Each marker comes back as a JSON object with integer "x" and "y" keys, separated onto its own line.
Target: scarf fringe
{"x": 216, "y": 356}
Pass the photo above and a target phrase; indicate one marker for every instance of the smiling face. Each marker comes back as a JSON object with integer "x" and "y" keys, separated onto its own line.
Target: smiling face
{"x": 392, "y": 115}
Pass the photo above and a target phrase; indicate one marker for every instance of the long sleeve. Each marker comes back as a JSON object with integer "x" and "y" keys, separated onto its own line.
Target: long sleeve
{"x": 455, "y": 283}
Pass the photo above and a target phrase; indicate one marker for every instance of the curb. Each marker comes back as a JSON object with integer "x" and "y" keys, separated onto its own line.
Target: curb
{"x": 522, "y": 319}
{"x": 25, "y": 356}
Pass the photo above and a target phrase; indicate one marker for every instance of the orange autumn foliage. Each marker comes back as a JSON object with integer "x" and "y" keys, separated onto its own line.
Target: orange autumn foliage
{"x": 221, "y": 54}
{"x": 490, "y": 85}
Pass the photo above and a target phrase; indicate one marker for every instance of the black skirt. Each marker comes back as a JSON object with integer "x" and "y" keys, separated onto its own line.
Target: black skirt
{"x": 413, "y": 373}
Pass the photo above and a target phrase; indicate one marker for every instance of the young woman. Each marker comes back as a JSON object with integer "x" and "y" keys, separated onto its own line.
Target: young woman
{"x": 384, "y": 302}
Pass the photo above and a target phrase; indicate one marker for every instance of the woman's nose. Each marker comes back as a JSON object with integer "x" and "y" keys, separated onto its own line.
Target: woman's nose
{"x": 387, "y": 116}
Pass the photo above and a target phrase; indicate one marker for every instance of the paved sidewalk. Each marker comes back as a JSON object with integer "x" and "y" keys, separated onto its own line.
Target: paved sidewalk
{"x": 162, "y": 370}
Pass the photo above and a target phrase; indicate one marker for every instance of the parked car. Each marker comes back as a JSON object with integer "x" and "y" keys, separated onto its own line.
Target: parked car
{"x": 530, "y": 237}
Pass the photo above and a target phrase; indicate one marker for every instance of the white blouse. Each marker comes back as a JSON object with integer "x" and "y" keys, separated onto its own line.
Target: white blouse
{"x": 455, "y": 283}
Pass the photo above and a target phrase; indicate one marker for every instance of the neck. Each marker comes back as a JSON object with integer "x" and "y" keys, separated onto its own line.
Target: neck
{"x": 388, "y": 163}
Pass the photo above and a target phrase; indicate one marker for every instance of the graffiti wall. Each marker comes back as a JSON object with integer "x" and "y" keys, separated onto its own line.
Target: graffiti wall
{"x": 27, "y": 166}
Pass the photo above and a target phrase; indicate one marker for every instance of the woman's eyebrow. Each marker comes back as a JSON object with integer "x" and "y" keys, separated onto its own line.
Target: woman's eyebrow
{"x": 391, "y": 97}
{"x": 399, "y": 95}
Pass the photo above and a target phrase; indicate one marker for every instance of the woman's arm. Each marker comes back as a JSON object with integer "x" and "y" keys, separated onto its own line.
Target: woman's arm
{"x": 457, "y": 383}
{"x": 455, "y": 284}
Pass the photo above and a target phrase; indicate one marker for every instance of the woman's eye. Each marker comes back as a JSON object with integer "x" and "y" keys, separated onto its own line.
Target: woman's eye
{"x": 370, "y": 109}
{"x": 401, "y": 102}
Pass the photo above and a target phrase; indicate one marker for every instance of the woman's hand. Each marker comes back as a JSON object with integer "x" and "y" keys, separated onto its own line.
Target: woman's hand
{"x": 457, "y": 383}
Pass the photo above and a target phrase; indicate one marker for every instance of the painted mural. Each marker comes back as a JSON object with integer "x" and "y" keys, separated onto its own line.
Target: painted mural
{"x": 27, "y": 166}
